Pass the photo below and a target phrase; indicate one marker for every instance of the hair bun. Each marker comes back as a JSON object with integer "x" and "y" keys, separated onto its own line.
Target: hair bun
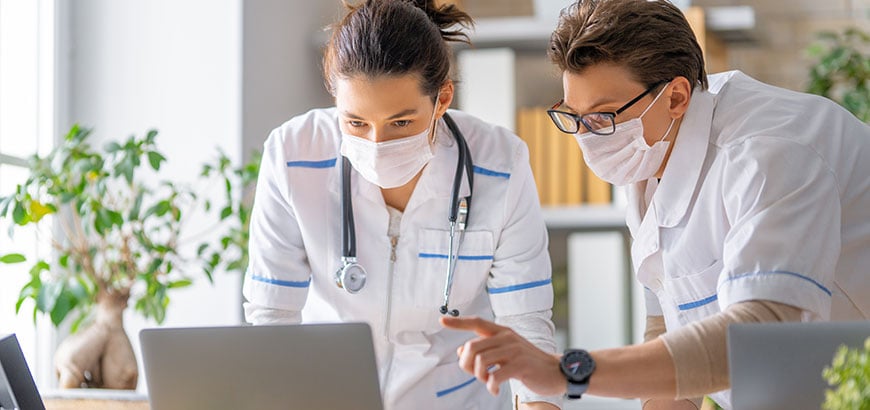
{"x": 446, "y": 16}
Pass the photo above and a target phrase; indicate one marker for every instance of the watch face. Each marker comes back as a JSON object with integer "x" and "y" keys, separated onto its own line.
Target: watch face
{"x": 577, "y": 365}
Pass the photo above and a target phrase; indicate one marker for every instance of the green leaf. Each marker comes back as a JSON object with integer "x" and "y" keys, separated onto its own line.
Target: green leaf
{"x": 19, "y": 216}
{"x": 48, "y": 296}
{"x": 112, "y": 147}
{"x": 155, "y": 159}
{"x": 180, "y": 284}
{"x": 137, "y": 206}
{"x": 65, "y": 303}
{"x": 226, "y": 212}
{"x": 4, "y": 204}
{"x": 158, "y": 209}
{"x": 12, "y": 258}
{"x": 201, "y": 249}
{"x": 115, "y": 217}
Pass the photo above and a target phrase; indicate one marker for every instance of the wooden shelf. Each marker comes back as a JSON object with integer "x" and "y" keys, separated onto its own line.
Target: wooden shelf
{"x": 584, "y": 217}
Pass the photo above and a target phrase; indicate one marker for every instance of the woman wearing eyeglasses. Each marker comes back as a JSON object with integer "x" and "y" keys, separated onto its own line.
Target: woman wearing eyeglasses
{"x": 746, "y": 203}
{"x": 392, "y": 210}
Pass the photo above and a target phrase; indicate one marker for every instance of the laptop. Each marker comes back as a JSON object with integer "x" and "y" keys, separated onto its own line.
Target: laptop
{"x": 309, "y": 366}
{"x": 17, "y": 388}
{"x": 779, "y": 365}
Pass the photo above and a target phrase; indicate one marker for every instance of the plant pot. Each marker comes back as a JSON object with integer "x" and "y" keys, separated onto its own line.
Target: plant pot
{"x": 100, "y": 355}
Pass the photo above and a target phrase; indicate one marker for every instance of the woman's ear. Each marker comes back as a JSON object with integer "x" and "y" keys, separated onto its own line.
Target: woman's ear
{"x": 679, "y": 95}
{"x": 445, "y": 98}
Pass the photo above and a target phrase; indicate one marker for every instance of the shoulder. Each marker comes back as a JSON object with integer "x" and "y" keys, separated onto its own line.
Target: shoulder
{"x": 746, "y": 108}
{"x": 311, "y": 136}
{"x": 493, "y": 148}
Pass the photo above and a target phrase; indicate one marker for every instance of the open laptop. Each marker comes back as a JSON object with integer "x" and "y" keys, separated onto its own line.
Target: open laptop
{"x": 779, "y": 365}
{"x": 311, "y": 366}
{"x": 17, "y": 389}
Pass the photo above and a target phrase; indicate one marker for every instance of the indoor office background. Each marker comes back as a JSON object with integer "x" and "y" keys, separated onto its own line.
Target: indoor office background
{"x": 221, "y": 74}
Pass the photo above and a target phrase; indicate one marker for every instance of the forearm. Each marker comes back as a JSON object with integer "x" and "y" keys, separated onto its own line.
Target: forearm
{"x": 260, "y": 315}
{"x": 700, "y": 351}
{"x": 685, "y": 363}
{"x": 643, "y": 370}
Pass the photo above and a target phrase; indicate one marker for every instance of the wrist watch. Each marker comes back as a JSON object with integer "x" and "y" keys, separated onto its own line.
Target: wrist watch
{"x": 577, "y": 366}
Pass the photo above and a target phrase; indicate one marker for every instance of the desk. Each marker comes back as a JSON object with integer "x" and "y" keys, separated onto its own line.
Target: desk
{"x": 94, "y": 399}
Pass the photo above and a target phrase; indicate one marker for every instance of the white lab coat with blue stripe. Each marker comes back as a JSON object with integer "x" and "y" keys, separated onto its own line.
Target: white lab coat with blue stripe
{"x": 503, "y": 268}
{"x": 766, "y": 196}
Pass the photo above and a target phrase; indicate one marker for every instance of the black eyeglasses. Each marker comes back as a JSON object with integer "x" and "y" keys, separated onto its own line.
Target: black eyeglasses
{"x": 601, "y": 123}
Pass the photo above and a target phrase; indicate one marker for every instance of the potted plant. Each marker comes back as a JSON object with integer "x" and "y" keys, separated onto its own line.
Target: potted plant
{"x": 849, "y": 372}
{"x": 116, "y": 242}
{"x": 842, "y": 70}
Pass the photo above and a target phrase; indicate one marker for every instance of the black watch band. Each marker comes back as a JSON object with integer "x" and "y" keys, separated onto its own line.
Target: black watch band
{"x": 577, "y": 366}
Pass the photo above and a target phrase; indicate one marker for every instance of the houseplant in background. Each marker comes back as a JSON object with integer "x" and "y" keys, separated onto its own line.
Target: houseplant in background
{"x": 850, "y": 374}
{"x": 842, "y": 70}
{"x": 229, "y": 249}
{"x": 117, "y": 242}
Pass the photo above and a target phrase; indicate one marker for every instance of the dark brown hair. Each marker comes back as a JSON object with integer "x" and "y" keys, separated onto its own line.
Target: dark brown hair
{"x": 651, "y": 39}
{"x": 395, "y": 37}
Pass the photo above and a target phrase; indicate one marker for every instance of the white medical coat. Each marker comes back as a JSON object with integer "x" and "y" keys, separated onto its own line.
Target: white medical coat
{"x": 503, "y": 267}
{"x": 766, "y": 196}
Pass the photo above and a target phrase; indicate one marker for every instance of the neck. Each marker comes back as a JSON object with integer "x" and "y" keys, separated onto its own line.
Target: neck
{"x": 400, "y": 196}
{"x": 672, "y": 138}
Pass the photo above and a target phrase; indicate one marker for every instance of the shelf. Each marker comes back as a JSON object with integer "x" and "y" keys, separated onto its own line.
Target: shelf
{"x": 515, "y": 32}
{"x": 584, "y": 217}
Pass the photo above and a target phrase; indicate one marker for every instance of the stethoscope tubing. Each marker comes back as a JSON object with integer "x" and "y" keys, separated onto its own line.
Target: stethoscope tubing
{"x": 457, "y": 217}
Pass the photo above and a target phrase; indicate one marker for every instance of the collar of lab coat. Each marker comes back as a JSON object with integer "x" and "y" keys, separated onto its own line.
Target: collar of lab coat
{"x": 435, "y": 182}
{"x": 674, "y": 194}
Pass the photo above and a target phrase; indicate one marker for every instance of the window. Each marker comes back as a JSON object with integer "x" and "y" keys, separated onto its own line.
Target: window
{"x": 27, "y": 126}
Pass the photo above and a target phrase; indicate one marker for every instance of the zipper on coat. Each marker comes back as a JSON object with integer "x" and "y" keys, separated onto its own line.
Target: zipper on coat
{"x": 394, "y": 241}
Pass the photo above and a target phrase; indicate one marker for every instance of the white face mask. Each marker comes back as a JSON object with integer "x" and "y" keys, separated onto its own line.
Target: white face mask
{"x": 389, "y": 164}
{"x": 624, "y": 157}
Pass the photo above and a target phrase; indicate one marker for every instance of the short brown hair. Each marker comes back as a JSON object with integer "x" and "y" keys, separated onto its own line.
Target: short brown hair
{"x": 394, "y": 37}
{"x": 650, "y": 38}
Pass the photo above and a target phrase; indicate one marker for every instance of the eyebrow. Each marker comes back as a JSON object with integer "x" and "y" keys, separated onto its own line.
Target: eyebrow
{"x": 600, "y": 102}
{"x": 403, "y": 113}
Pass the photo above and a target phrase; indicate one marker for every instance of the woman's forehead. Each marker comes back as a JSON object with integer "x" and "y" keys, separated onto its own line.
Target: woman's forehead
{"x": 379, "y": 95}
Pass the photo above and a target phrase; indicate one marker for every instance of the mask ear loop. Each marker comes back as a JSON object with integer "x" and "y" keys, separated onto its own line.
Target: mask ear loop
{"x": 673, "y": 120}
{"x": 435, "y": 120}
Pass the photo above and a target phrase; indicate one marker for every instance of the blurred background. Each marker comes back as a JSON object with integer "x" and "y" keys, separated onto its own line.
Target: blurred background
{"x": 221, "y": 74}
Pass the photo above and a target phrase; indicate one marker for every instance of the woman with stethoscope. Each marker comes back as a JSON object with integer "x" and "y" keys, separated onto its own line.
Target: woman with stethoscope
{"x": 389, "y": 210}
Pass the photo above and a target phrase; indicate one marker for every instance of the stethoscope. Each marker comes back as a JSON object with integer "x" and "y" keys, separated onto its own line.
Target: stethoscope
{"x": 352, "y": 276}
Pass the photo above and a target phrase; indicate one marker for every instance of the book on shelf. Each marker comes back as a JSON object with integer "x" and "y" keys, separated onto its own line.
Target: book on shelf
{"x": 561, "y": 174}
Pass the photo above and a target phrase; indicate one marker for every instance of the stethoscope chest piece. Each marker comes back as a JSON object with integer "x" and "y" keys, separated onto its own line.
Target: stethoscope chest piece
{"x": 350, "y": 276}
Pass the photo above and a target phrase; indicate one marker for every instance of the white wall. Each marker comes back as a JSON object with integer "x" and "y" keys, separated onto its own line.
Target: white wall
{"x": 174, "y": 66}
{"x": 206, "y": 74}
{"x": 281, "y": 74}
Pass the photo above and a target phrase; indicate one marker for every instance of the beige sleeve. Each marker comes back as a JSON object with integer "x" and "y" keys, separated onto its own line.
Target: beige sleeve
{"x": 655, "y": 327}
{"x": 699, "y": 350}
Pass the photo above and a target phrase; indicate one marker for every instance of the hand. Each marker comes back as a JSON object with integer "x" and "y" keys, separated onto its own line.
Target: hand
{"x": 500, "y": 354}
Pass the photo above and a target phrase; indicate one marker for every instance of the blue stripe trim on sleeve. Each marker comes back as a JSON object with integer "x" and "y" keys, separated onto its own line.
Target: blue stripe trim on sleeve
{"x": 460, "y": 257}
{"x": 327, "y": 163}
{"x": 698, "y": 303}
{"x": 521, "y": 286}
{"x": 285, "y": 283}
{"x": 445, "y": 392}
{"x": 777, "y": 272}
{"x": 491, "y": 173}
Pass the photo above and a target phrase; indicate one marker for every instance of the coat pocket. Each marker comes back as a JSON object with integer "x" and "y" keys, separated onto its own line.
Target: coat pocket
{"x": 694, "y": 296}
{"x": 473, "y": 263}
